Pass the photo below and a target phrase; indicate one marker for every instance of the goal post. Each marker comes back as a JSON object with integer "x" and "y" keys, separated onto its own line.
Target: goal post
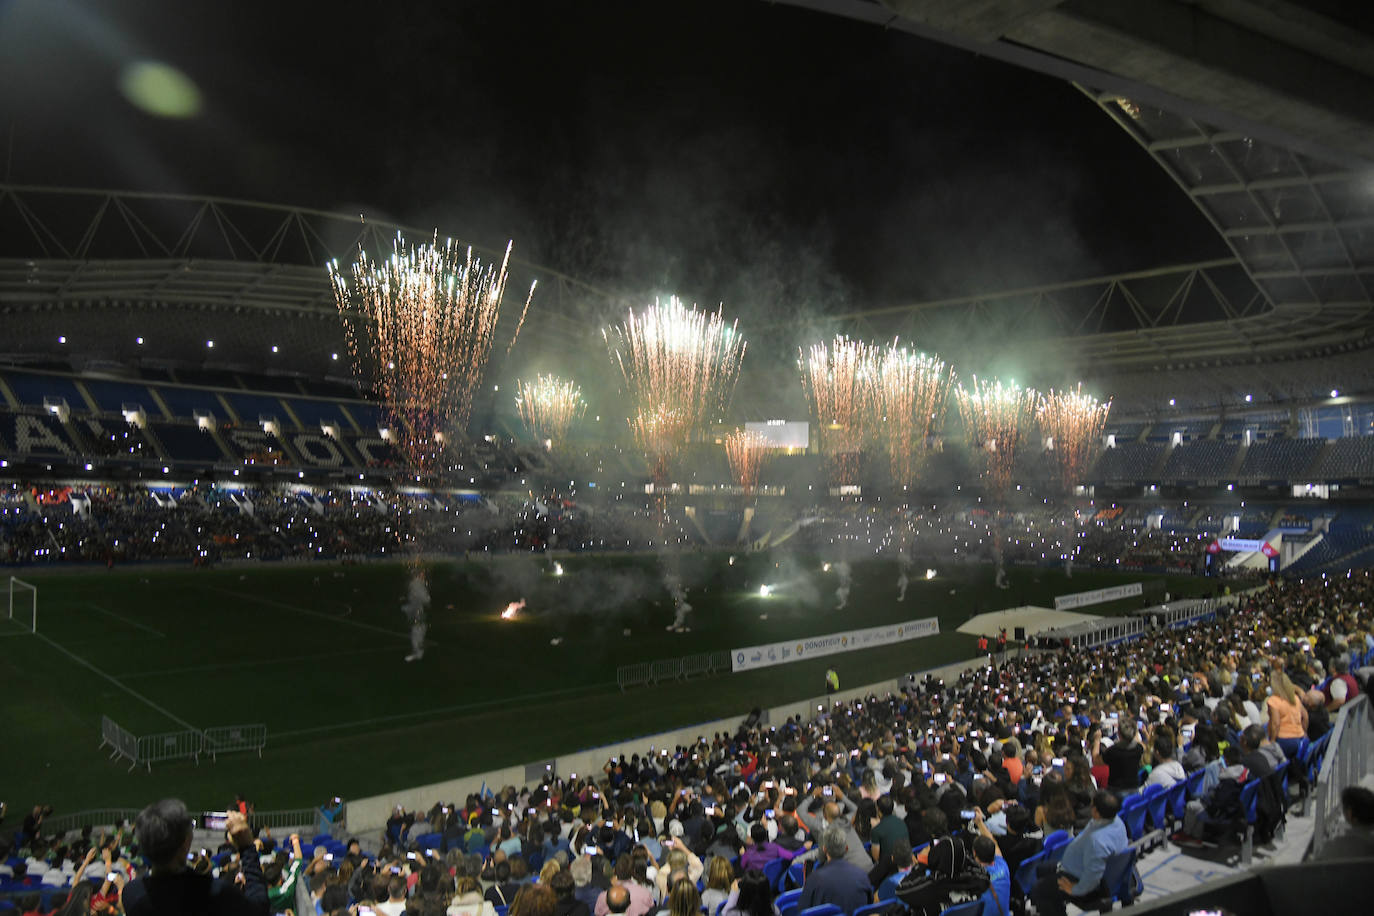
{"x": 23, "y": 604}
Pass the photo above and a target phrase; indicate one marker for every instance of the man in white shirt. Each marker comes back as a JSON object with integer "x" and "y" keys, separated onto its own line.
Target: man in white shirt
{"x": 1166, "y": 770}
{"x": 395, "y": 903}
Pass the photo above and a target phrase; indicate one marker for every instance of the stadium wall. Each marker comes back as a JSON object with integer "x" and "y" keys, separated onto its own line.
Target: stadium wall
{"x": 369, "y": 815}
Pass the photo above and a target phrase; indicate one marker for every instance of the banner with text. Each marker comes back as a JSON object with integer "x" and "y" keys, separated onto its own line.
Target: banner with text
{"x": 795, "y": 650}
{"x": 1083, "y": 599}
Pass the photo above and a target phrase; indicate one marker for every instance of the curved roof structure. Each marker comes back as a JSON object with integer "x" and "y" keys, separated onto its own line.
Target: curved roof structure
{"x": 191, "y": 264}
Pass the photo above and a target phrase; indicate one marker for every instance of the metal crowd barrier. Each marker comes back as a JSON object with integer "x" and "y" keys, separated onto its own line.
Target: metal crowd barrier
{"x": 1348, "y": 758}
{"x": 667, "y": 669}
{"x": 180, "y": 745}
{"x": 1182, "y": 613}
{"x": 299, "y": 819}
{"x": 1106, "y": 631}
{"x": 169, "y": 746}
{"x": 225, "y": 739}
{"x": 632, "y": 675}
{"x": 1092, "y": 633}
{"x": 119, "y": 738}
{"x": 670, "y": 669}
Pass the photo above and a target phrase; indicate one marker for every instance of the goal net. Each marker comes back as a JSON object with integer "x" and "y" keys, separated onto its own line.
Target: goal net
{"x": 23, "y": 604}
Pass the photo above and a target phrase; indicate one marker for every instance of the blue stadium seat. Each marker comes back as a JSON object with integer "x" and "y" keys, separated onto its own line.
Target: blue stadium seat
{"x": 787, "y": 901}
{"x": 1025, "y": 873}
{"x": 1055, "y": 845}
{"x": 1121, "y": 881}
{"x": 774, "y": 872}
{"x": 1176, "y": 802}
{"x": 882, "y": 905}
{"x": 824, "y": 909}
{"x": 1157, "y": 805}
{"x": 1133, "y": 812}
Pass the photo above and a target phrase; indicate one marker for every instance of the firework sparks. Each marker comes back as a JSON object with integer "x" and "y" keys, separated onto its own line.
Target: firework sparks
{"x": 910, "y": 392}
{"x": 515, "y": 607}
{"x": 997, "y": 417}
{"x": 549, "y": 406}
{"x": 680, "y": 366}
{"x": 1073, "y": 422}
{"x": 747, "y": 452}
{"x": 835, "y": 377}
{"x": 420, "y": 326}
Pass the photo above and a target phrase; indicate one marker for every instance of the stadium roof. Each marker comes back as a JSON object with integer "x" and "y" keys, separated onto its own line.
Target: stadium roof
{"x": 1281, "y": 170}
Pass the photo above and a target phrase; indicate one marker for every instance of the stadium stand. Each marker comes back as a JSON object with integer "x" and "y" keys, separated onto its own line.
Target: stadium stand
{"x": 185, "y": 403}
{"x": 33, "y": 390}
{"x": 1279, "y": 459}
{"x": 250, "y": 407}
{"x": 1350, "y": 532}
{"x": 1346, "y": 459}
{"x": 1131, "y": 461}
{"x": 188, "y": 445}
{"x": 111, "y": 396}
{"x": 1199, "y": 459}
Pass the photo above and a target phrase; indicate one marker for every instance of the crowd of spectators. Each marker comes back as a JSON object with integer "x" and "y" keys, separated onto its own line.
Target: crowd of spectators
{"x": 929, "y": 795}
{"x": 205, "y": 524}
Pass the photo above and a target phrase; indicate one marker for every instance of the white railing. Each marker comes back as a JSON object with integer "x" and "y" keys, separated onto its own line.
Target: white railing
{"x": 1347, "y": 761}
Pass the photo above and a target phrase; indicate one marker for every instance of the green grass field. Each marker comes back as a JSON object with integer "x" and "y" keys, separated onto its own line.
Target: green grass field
{"x": 316, "y": 653}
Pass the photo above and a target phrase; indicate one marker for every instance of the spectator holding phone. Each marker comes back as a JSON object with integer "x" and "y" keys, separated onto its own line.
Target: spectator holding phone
{"x": 169, "y": 888}
{"x": 1122, "y": 759}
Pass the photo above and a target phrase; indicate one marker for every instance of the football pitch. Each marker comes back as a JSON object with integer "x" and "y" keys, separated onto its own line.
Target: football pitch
{"x": 316, "y": 653}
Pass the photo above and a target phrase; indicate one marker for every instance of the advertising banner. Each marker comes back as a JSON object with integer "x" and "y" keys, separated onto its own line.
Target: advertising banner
{"x": 1098, "y": 596}
{"x": 795, "y": 650}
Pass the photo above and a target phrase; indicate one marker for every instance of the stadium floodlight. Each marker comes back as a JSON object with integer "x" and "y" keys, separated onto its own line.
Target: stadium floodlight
{"x": 139, "y": 341}
{"x": 1335, "y": 393}
{"x": 62, "y": 339}
{"x": 1248, "y": 398}
{"x": 210, "y": 344}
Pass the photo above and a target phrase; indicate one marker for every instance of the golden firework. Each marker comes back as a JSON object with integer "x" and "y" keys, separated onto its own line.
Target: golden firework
{"x": 1073, "y": 422}
{"x": 420, "y": 326}
{"x": 747, "y": 452}
{"x": 997, "y": 417}
{"x": 909, "y": 392}
{"x": 836, "y": 377}
{"x": 680, "y": 367}
{"x": 549, "y": 406}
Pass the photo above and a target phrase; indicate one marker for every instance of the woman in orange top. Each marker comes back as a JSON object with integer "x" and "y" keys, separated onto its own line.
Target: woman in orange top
{"x": 1287, "y": 715}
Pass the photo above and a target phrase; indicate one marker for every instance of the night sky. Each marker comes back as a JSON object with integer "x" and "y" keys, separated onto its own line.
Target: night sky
{"x": 778, "y": 160}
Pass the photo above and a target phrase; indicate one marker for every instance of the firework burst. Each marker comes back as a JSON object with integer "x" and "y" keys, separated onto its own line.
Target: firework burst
{"x": 909, "y": 392}
{"x": 549, "y": 406}
{"x": 836, "y": 377}
{"x": 997, "y": 418}
{"x": 420, "y": 326}
{"x": 747, "y": 452}
{"x": 1073, "y": 421}
{"x": 680, "y": 367}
